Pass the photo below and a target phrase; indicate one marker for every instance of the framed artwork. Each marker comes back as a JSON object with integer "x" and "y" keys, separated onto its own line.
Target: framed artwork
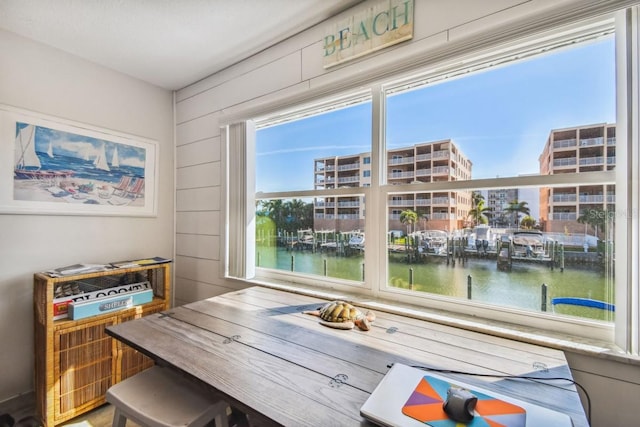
{"x": 56, "y": 166}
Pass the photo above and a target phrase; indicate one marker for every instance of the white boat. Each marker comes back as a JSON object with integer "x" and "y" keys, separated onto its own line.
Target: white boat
{"x": 50, "y": 150}
{"x": 357, "y": 240}
{"x": 434, "y": 241}
{"x": 483, "y": 238}
{"x": 100, "y": 162}
{"x": 115, "y": 161}
{"x": 528, "y": 243}
{"x": 26, "y": 161}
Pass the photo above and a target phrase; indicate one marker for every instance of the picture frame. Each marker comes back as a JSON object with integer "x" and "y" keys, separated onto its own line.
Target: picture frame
{"x": 56, "y": 166}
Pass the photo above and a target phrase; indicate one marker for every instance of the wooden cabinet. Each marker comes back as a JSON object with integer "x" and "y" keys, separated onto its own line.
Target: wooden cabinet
{"x": 75, "y": 360}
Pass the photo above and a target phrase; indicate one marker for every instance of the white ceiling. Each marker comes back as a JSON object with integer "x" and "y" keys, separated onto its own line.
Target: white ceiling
{"x": 169, "y": 43}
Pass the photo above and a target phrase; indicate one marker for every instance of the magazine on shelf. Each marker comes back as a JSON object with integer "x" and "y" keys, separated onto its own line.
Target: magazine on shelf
{"x": 140, "y": 262}
{"x": 81, "y": 309}
{"x": 61, "y": 304}
{"x": 74, "y": 269}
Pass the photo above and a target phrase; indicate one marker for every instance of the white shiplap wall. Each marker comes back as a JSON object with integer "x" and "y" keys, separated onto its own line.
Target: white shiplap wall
{"x": 292, "y": 71}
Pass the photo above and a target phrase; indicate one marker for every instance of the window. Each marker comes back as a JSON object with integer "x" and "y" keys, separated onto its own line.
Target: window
{"x": 496, "y": 189}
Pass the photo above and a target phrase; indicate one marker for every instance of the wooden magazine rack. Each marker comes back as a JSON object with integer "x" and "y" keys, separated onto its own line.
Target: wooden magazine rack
{"x": 75, "y": 361}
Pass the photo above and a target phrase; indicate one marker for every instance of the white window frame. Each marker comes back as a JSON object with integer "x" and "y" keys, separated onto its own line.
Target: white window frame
{"x": 627, "y": 324}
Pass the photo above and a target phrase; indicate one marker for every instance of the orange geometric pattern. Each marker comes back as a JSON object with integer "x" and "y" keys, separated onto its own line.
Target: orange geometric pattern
{"x": 425, "y": 405}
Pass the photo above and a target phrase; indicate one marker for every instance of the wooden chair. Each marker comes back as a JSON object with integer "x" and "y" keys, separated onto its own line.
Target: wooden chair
{"x": 160, "y": 397}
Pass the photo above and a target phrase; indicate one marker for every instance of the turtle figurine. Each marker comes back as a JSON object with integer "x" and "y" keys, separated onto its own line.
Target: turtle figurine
{"x": 342, "y": 315}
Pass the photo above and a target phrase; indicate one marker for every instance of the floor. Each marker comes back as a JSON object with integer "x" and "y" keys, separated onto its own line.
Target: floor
{"x": 22, "y": 410}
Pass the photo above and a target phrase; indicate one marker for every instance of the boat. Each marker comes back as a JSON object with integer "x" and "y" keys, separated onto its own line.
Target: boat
{"x": 100, "y": 162}
{"x": 434, "y": 241}
{"x": 306, "y": 237}
{"x": 483, "y": 238}
{"x": 27, "y": 164}
{"x": 115, "y": 161}
{"x": 356, "y": 240}
{"x": 50, "y": 150}
{"x": 528, "y": 244}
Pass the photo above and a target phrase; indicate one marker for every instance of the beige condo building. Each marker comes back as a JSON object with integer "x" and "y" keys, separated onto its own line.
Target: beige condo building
{"x": 576, "y": 150}
{"x": 424, "y": 162}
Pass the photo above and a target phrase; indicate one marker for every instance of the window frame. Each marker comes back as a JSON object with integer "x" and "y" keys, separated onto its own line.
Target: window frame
{"x": 625, "y": 333}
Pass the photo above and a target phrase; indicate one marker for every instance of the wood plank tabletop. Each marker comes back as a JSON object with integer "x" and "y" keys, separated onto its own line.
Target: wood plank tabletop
{"x": 258, "y": 350}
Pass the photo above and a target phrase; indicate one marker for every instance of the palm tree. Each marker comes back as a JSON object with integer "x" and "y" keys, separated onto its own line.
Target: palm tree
{"x": 517, "y": 208}
{"x": 476, "y": 198}
{"x": 479, "y": 213}
{"x": 597, "y": 218}
{"x": 409, "y": 218}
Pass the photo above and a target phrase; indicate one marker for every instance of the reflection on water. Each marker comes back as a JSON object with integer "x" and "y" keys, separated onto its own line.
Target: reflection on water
{"x": 520, "y": 288}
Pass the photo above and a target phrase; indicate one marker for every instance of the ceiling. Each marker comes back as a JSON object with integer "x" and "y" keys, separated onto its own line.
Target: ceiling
{"x": 168, "y": 43}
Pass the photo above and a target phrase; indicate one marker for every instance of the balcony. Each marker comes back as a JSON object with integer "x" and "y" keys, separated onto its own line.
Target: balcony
{"x": 592, "y": 161}
{"x": 441, "y": 154}
{"x": 566, "y": 162}
{"x": 611, "y": 141}
{"x": 401, "y": 202}
{"x": 423, "y": 202}
{"x": 590, "y": 142}
{"x": 564, "y": 198}
{"x": 401, "y": 161}
{"x": 564, "y": 143}
{"x": 423, "y": 172}
{"x": 448, "y": 201}
{"x": 349, "y": 204}
{"x": 440, "y": 170}
{"x": 400, "y": 175}
{"x": 423, "y": 157}
{"x": 349, "y": 179}
{"x": 564, "y": 216}
{"x": 349, "y": 167}
{"x": 591, "y": 198}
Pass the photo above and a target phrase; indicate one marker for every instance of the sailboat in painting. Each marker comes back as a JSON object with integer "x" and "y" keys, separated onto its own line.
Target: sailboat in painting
{"x": 26, "y": 162}
{"x": 115, "y": 161}
{"x": 100, "y": 161}
{"x": 50, "y": 149}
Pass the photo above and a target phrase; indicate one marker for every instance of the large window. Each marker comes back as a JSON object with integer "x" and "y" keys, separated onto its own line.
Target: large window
{"x": 497, "y": 188}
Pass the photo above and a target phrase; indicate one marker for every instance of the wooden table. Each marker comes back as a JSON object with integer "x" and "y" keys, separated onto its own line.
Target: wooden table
{"x": 256, "y": 349}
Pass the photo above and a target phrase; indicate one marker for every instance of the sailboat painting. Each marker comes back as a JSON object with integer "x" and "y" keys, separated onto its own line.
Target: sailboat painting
{"x": 69, "y": 169}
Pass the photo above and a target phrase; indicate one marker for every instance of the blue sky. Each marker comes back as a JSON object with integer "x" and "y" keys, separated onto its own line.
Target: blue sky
{"x": 499, "y": 118}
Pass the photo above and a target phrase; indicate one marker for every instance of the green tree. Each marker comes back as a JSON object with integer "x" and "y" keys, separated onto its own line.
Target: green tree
{"x": 528, "y": 222}
{"x": 516, "y": 208}
{"x": 599, "y": 219}
{"x": 479, "y": 213}
{"x": 408, "y": 217}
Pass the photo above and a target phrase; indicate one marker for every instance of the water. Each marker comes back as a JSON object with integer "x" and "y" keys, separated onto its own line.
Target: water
{"x": 519, "y": 288}
{"x": 85, "y": 168}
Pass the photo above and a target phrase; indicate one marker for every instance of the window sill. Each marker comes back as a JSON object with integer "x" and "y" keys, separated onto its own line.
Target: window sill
{"x": 574, "y": 344}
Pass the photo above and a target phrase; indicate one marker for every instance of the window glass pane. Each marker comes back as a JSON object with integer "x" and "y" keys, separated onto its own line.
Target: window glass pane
{"x": 544, "y": 248}
{"x": 320, "y": 151}
{"x": 288, "y": 238}
{"x": 496, "y": 122}
{"x": 502, "y": 256}
{"x": 321, "y": 235}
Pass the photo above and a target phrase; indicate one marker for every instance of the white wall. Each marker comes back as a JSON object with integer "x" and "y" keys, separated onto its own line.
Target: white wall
{"x": 293, "y": 70}
{"x": 41, "y": 79}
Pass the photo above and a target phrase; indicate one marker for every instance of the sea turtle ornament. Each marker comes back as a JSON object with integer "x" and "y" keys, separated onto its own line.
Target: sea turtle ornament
{"x": 342, "y": 315}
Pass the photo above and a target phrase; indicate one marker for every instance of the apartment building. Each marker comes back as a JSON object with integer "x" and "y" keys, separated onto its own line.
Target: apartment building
{"x": 574, "y": 150}
{"x": 424, "y": 162}
{"x": 497, "y": 201}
